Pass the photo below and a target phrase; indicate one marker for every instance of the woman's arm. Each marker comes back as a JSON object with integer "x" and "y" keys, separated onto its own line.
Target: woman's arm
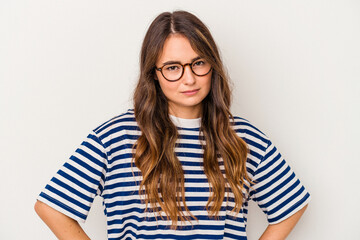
{"x": 62, "y": 226}
{"x": 281, "y": 230}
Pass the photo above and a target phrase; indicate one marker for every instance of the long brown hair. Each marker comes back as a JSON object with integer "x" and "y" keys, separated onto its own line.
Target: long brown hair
{"x": 163, "y": 176}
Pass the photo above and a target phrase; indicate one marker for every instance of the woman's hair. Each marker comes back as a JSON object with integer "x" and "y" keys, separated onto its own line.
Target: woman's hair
{"x": 163, "y": 176}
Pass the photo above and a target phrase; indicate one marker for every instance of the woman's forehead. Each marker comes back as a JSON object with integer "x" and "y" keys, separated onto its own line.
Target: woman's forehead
{"x": 177, "y": 48}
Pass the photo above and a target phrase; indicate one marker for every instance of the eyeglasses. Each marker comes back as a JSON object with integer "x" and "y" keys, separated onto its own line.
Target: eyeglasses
{"x": 174, "y": 71}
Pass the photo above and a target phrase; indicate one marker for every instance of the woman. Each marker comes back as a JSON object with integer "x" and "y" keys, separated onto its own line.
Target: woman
{"x": 179, "y": 165}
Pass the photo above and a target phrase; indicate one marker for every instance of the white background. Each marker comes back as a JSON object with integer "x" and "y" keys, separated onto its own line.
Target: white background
{"x": 68, "y": 66}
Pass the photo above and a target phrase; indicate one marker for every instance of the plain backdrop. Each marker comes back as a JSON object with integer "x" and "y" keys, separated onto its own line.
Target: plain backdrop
{"x": 68, "y": 66}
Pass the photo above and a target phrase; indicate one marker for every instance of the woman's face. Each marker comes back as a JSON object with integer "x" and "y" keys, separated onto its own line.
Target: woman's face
{"x": 184, "y": 96}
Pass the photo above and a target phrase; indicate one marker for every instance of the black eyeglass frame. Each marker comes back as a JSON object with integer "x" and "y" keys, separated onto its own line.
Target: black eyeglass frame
{"x": 183, "y": 70}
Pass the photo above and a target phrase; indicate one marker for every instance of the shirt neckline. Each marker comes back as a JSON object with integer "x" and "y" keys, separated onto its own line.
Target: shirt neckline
{"x": 186, "y": 123}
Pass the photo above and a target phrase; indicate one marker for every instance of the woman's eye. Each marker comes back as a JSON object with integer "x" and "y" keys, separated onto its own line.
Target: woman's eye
{"x": 172, "y": 68}
{"x": 199, "y": 63}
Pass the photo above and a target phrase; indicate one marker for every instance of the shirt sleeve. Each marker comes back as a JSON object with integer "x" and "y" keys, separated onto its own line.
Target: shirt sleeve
{"x": 276, "y": 189}
{"x": 73, "y": 188}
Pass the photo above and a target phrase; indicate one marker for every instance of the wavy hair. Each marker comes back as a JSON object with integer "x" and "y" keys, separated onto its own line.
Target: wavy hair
{"x": 154, "y": 152}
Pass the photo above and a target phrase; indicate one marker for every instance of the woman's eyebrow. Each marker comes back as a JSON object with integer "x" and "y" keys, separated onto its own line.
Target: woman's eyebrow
{"x": 174, "y": 62}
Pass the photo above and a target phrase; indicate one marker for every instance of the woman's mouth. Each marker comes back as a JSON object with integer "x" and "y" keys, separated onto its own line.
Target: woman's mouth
{"x": 191, "y": 92}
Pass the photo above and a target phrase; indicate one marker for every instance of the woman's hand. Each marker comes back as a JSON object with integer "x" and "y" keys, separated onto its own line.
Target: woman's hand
{"x": 62, "y": 226}
{"x": 281, "y": 230}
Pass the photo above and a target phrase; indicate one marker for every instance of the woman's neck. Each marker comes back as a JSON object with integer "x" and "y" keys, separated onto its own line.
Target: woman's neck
{"x": 186, "y": 113}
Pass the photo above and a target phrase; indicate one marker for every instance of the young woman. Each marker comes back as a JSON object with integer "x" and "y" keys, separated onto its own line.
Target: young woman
{"x": 179, "y": 165}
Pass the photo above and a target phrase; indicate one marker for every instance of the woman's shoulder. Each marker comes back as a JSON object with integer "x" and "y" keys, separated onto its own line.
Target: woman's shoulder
{"x": 248, "y": 131}
{"x": 124, "y": 120}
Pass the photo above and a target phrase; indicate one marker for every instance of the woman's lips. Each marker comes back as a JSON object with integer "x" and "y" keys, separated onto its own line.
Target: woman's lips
{"x": 191, "y": 92}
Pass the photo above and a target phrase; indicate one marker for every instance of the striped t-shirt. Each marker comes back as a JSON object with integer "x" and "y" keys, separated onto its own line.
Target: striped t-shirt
{"x": 102, "y": 166}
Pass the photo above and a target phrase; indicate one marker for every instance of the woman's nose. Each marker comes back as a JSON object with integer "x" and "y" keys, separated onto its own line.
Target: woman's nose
{"x": 189, "y": 76}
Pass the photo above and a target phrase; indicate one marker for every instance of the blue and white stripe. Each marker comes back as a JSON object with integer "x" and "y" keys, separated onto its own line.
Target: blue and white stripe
{"x": 102, "y": 166}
